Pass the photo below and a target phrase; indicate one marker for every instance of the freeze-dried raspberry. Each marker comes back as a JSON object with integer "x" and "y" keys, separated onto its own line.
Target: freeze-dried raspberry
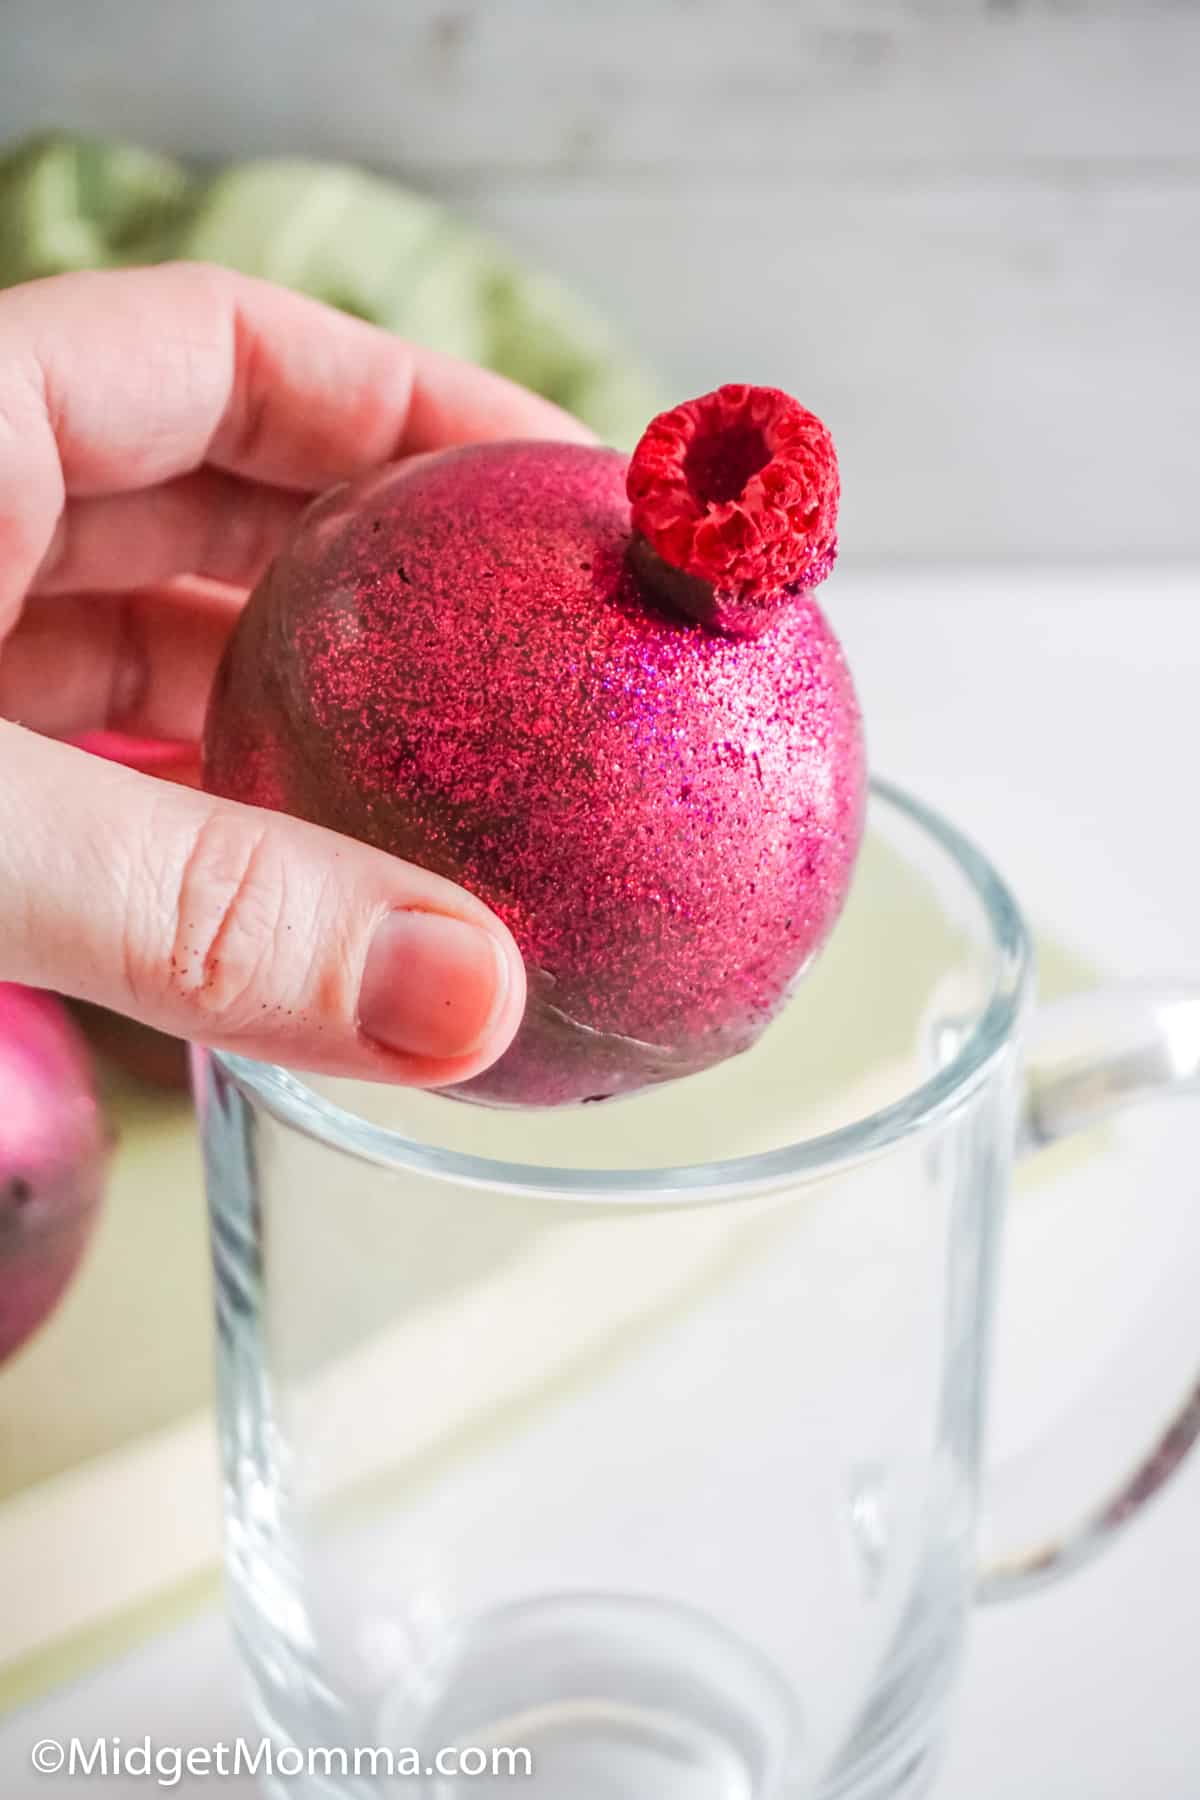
{"x": 734, "y": 502}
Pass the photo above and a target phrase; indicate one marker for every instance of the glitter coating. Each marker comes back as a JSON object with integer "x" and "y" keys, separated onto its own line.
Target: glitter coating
{"x": 53, "y": 1158}
{"x": 455, "y": 660}
{"x": 737, "y": 492}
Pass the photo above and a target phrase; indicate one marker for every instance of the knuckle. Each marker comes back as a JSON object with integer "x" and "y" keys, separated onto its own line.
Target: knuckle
{"x": 225, "y": 957}
{"x": 245, "y": 532}
{"x": 210, "y": 274}
{"x": 125, "y": 667}
{"x": 31, "y": 479}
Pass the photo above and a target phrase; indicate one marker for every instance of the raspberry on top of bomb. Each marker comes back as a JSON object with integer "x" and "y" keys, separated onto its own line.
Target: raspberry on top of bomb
{"x": 734, "y": 501}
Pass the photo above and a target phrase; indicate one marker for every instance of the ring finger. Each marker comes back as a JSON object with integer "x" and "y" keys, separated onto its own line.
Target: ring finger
{"x": 140, "y": 662}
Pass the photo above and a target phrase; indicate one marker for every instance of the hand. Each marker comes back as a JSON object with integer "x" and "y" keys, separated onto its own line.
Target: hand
{"x": 159, "y": 431}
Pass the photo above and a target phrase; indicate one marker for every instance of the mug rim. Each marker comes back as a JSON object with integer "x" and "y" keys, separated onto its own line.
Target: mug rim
{"x": 288, "y": 1098}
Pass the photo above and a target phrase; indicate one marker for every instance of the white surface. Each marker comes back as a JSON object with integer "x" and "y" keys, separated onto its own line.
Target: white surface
{"x": 1055, "y": 716}
{"x": 966, "y": 231}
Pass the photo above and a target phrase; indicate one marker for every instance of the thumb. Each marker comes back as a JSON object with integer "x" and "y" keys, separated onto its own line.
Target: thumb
{"x": 241, "y": 929}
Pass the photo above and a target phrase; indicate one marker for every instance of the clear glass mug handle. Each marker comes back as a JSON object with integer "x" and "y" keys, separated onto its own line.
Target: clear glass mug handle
{"x": 1087, "y": 1058}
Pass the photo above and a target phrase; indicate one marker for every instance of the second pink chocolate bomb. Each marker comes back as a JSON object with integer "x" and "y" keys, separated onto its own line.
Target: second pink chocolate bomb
{"x": 598, "y": 694}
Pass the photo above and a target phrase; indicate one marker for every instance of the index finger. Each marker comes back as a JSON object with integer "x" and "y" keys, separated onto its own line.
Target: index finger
{"x": 145, "y": 374}
{"x": 115, "y": 381}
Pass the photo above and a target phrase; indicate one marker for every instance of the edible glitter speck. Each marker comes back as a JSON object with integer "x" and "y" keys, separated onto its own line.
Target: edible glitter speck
{"x": 454, "y": 660}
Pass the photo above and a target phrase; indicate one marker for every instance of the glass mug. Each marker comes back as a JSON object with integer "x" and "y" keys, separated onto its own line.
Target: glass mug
{"x": 644, "y": 1439}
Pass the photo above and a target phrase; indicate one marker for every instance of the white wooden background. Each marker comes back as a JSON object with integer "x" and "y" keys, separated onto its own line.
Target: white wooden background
{"x": 967, "y": 233}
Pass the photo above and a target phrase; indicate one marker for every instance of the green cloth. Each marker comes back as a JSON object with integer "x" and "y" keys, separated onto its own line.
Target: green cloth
{"x": 357, "y": 241}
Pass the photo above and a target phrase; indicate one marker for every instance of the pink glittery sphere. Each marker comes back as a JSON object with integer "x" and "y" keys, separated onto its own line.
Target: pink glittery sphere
{"x": 455, "y": 660}
{"x": 54, "y": 1150}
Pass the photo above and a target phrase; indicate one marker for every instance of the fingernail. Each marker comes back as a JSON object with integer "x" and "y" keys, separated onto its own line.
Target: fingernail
{"x": 432, "y": 986}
